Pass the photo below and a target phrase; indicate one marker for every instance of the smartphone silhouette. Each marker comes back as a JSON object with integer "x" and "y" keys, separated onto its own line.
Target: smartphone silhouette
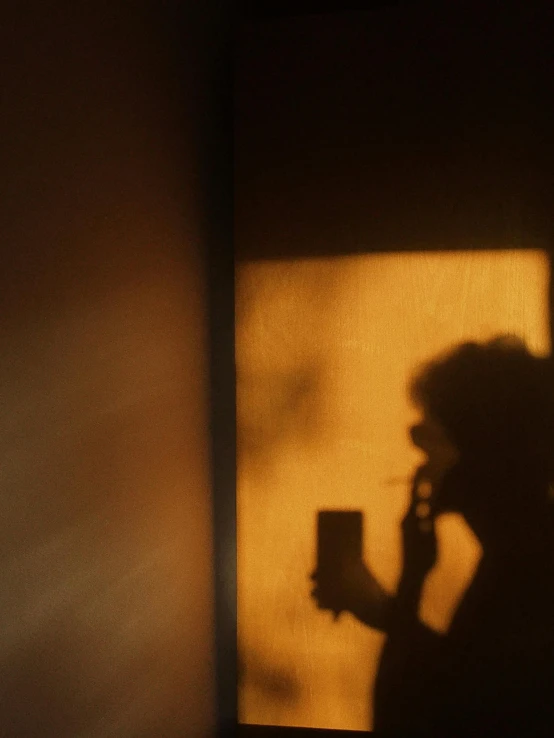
{"x": 339, "y": 537}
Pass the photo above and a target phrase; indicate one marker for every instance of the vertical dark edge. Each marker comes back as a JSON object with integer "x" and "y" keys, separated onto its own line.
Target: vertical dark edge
{"x": 196, "y": 42}
{"x": 550, "y": 254}
{"x": 197, "y": 38}
{"x": 221, "y": 299}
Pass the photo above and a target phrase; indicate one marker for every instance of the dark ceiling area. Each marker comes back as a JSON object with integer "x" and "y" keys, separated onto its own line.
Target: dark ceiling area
{"x": 252, "y": 9}
{"x": 423, "y": 126}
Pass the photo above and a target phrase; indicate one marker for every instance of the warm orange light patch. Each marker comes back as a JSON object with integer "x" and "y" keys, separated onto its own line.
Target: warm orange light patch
{"x": 325, "y": 349}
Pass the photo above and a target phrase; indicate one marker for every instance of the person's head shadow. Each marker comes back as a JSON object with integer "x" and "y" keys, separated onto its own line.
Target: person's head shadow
{"x": 488, "y": 432}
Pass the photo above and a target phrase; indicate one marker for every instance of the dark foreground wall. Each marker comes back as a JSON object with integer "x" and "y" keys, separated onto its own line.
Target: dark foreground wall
{"x": 106, "y": 611}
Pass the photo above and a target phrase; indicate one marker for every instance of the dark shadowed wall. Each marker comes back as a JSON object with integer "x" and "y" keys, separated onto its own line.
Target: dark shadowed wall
{"x": 106, "y": 610}
{"x": 423, "y": 125}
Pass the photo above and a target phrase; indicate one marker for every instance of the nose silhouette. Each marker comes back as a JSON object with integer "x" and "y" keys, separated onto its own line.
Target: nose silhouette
{"x": 416, "y": 434}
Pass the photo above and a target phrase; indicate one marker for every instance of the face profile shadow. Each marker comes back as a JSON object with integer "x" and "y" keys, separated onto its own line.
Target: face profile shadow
{"x": 487, "y": 431}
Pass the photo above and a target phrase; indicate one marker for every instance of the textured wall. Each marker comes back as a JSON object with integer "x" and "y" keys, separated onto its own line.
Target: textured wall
{"x": 106, "y": 563}
{"x": 416, "y": 137}
{"x": 325, "y": 351}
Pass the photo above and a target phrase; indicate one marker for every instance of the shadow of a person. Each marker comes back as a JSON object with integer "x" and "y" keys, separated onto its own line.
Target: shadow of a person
{"x": 487, "y": 429}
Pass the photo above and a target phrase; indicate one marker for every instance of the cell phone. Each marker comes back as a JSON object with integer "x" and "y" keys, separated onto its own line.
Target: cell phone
{"x": 339, "y": 536}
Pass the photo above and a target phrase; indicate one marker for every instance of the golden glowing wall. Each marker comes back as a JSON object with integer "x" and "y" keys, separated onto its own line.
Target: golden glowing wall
{"x": 325, "y": 348}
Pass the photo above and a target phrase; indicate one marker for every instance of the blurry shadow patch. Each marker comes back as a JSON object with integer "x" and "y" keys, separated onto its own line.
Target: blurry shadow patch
{"x": 268, "y": 679}
{"x": 276, "y": 407}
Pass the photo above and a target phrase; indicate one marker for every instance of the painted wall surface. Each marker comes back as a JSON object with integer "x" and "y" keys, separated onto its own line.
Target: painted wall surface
{"x": 420, "y": 126}
{"x": 393, "y": 181}
{"x": 325, "y": 351}
{"x": 105, "y": 509}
